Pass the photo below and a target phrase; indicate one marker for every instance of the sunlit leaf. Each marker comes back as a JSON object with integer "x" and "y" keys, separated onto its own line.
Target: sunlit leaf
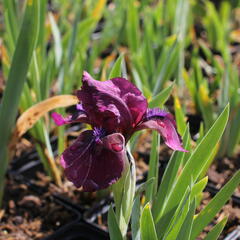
{"x": 147, "y": 228}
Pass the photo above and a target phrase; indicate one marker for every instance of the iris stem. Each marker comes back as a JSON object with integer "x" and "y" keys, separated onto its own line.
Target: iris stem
{"x": 124, "y": 192}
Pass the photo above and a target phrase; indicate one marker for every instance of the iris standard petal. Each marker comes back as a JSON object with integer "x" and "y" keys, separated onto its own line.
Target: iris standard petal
{"x": 112, "y": 104}
{"x": 133, "y": 98}
{"x": 164, "y": 123}
{"x": 92, "y": 164}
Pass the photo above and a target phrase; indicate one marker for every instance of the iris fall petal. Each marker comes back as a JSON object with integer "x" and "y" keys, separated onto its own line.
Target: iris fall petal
{"x": 164, "y": 123}
{"x": 78, "y": 116}
{"x": 94, "y": 165}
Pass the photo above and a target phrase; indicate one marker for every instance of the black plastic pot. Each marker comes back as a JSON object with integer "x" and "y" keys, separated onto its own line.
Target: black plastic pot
{"x": 27, "y": 164}
{"x": 26, "y": 172}
{"x": 100, "y": 210}
{"x": 79, "y": 231}
{"x": 82, "y": 227}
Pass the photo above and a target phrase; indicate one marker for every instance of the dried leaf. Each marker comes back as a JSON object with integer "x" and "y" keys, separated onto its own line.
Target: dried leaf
{"x": 34, "y": 113}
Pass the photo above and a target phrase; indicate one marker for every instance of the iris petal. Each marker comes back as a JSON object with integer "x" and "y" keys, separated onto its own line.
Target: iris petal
{"x": 112, "y": 104}
{"x": 133, "y": 98}
{"x": 94, "y": 165}
{"x": 164, "y": 123}
{"x": 78, "y": 116}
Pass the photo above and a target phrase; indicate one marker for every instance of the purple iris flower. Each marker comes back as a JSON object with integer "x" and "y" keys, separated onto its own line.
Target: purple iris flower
{"x": 115, "y": 109}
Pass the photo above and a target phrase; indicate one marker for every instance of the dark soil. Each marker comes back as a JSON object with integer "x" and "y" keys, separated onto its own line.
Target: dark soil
{"x": 222, "y": 170}
{"x": 29, "y": 215}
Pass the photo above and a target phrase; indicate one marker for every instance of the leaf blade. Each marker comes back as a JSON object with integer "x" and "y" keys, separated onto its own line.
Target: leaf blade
{"x": 147, "y": 228}
{"x": 208, "y": 213}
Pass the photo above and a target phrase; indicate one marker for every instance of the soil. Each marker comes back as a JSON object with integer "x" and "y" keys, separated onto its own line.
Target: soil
{"x": 230, "y": 209}
{"x": 28, "y": 215}
{"x": 222, "y": 170}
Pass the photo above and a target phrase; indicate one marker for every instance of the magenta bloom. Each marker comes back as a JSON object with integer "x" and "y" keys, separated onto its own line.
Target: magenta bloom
{"x": 115, "y": 109}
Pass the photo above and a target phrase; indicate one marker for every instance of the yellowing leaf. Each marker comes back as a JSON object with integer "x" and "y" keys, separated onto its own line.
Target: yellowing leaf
{"x": 204, "y": 95}
{"x": 177, "y": 103}
{"x": 97, "y": 12}
{"x": 34, "y": 113}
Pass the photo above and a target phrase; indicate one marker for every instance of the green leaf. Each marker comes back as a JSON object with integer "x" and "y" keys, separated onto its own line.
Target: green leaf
{"x": 180, "y": 27}
{"x": 153, "y": 167}
{"x": 205, "y": 104}
{"x": 142, "y": 187}
{"x": 140, "y": 75}
{"x": 114, "y": 231}
{"x": 234, "y": 135}
{"x": 124, "y": 192}
{"x": 186, "y": 228}
{"x": 209, "y": 161}
{"x": 135, "y": 219}
{"x": 42, "y": 20}
{"x": 193, "y": 168}
{"x": 57, "y": 39}
{"x": 148, "y": 231}
{"x": 129, "y": 191}
{"x": 73, "y": 38}
{"x": 160, "y": 99}
{"x": 117, "y": 68}
{"x": 137, "y": 79}
{"x": 21, "y": 59}
{"x": 133, "y": 26}
{"x": 217, "y": 229}
{"x": 167, "y": 67}
{"x": 11, "y": 20}
{"x": 187, "y": 146}
{"x": 181, "y": 17}
{"x": 208, "y": 213}
{"x": 148, "y": 49}
{"x": 177, "y": 219}
{"x": 169, "y": 178}
{"x": 198, "y": 187}
{"x": 85, "y": 27}
{"x": 180, "y": 117}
